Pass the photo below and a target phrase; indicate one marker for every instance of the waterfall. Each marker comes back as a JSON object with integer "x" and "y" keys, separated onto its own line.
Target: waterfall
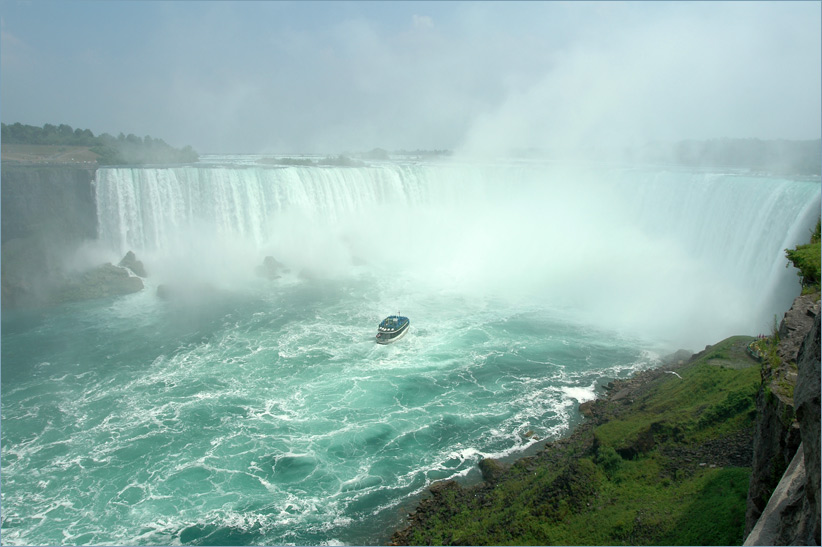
{"x": 145, "y": 208}
{"x": 646, "y": 249}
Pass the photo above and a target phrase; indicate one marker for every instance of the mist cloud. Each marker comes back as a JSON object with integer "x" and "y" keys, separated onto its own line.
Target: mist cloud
{"x": 686, "y": 76}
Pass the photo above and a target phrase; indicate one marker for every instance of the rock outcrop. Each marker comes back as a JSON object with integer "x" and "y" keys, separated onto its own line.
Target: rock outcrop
{"x": 101, "y": 282}
{"x": 775, "y": 442}
{"x": 807, "y": 401}
{"x": 782, "y": 518}
{"x": 492, "y": 469}
{"x": 271, "y": 268}
{"x": 48, "y": 202}
{"x": 136, "y": 266}
{"x": 47, "y": 213}
{"x": 783, "y": 495}
{"x": 795, "y": 325}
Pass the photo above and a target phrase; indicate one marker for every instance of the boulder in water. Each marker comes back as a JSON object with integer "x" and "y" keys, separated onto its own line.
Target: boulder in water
{"x": 101, "y": 282}
{"x": 492, "y": 469}
{"x": 271, "y": 268}
{"x": 130, "y": 261}
{"x": 164, "y": 292}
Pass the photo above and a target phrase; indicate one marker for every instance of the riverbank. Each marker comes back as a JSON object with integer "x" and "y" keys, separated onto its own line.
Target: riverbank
{"x": 662, "y": 458}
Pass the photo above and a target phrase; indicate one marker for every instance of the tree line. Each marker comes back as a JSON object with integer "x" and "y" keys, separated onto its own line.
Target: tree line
{"x": 778, "y": 156}
{"x": 121, "y": 150}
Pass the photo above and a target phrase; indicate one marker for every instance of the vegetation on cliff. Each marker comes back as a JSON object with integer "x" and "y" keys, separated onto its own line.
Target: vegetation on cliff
{"x": 121, "y": 150}
{"x": 662, "y": 460}
{"x": 806, "y": 259}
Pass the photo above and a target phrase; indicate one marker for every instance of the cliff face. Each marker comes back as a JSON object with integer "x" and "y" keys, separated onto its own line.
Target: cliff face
{"x": 47, "y": 212}
{"x": 783, "y": 495}
{"x": 806, "y": 398}
{"x": 50, "y": 201}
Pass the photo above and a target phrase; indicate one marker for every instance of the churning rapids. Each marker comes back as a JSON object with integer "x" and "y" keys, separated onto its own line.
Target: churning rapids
{"x": 256, "y": 411}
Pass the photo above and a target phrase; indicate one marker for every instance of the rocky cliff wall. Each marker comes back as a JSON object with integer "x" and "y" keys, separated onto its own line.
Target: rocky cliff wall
{"x": 47, "y": 212}
{"x": 52, "y": 201}
{"x": 783, "y": 495}
{"x": 807, "y": 400}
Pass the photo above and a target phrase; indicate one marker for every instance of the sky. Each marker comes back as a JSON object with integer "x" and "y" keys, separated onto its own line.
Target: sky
{"x": 476, "y": 77}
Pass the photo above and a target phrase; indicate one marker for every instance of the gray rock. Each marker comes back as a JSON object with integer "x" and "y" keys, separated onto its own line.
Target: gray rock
{"x": 677, "y": 358}
{"x": 807, "y": 402}
{"x": 491, "y": 469}
{"x": 47, "y": 213}
{"x": 101, "y": 282}
{"x": 270, "y": 268}
{"x": 795, "y": 325}
{"x": 130, "y": 261}
{"x": 784, "y": 508}
{"x": 783, "y": 513}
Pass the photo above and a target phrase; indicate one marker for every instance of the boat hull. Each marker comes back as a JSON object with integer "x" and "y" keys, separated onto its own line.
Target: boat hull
{"x": 382, "y": 339}
{"x": 386, "y": 336}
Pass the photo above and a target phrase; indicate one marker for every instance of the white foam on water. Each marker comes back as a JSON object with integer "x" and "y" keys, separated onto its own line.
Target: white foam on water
{"x": 580, "y": 394}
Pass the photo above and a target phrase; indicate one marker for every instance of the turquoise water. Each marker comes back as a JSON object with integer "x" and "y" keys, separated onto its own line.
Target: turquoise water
{"x": 271, "y": 416}
{"x": 250, "y": 411}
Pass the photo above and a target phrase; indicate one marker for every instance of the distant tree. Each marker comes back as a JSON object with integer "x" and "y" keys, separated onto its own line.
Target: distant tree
{"x": 189, "y": 155}
{"x": 341, "y": 161}
{"x": 26, "y": 134}
{"x": 83, "y": 137}
{"x": 107, "y": 155}
{"x": 123, "y": 149}
{"x": 775, "y": 156}
{"x": 376, "y": 154}
{"x": 290, "y": 161}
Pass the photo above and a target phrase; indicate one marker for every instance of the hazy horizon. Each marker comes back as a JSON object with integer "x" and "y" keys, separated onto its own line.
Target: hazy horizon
{"x": 331, "y": 77}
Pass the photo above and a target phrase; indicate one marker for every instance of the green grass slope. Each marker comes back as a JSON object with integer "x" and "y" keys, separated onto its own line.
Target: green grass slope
{"x": 662, "y": 460}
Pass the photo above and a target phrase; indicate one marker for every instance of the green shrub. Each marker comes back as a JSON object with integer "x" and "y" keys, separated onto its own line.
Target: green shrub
{"x": 735, "y": 403}
{"x": 806, "y": 259}
{"x": 609, "y": 460}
